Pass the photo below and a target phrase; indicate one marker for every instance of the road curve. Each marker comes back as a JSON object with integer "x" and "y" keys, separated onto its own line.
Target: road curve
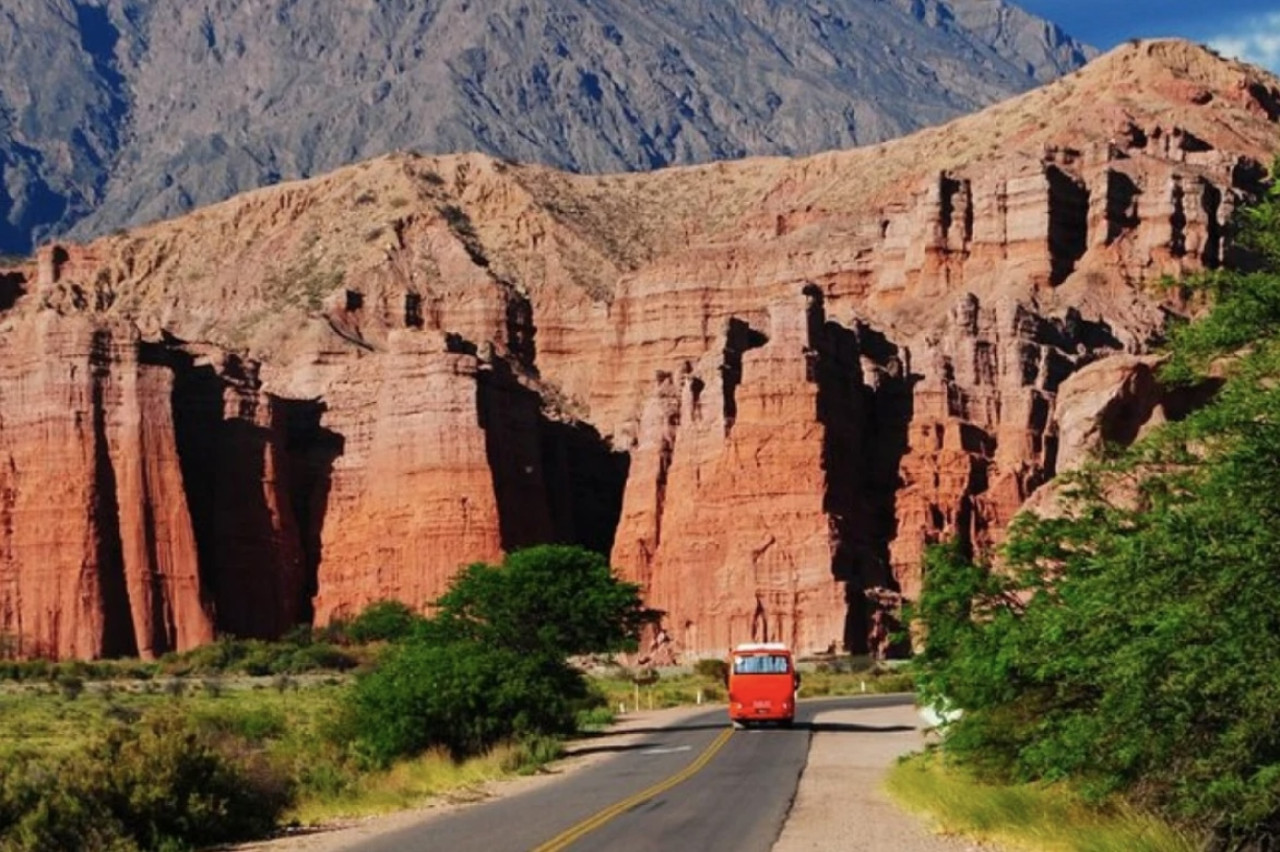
{"x": 735, "y": 800}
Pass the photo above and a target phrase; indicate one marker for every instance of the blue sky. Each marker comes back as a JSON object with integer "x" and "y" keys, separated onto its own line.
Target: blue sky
{"x": 1249, "y": 29}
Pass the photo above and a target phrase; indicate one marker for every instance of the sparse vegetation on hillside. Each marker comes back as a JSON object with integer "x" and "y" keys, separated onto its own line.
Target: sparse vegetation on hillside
{"x": 295, "y": 655}
{"x": 620, "y": 98}
{"x": 304, "y": 283}
{"x": 1131, "y": 647}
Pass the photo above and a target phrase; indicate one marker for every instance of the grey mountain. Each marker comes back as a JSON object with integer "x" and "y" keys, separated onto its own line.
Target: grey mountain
{"x": 116, "y": 112}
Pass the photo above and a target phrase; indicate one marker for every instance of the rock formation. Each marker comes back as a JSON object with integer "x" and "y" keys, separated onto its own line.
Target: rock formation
{"x": 761, "y": 386}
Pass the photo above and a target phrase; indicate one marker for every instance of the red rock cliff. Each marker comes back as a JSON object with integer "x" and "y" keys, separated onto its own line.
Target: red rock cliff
{"x": 761, "y": 386}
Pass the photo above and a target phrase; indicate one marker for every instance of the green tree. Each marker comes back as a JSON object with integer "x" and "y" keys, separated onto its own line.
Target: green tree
{"x": 552, "y": 599}
{"x": 1132, "y": 645}
{"x": 463, "y": 696}
{"x": 383, "y": 621}
{"x": 491, "y": 664}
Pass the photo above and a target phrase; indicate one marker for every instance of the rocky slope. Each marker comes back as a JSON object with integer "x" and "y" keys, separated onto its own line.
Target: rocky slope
{"x": 116, "y": 112}
{"x": 762, "y": 386}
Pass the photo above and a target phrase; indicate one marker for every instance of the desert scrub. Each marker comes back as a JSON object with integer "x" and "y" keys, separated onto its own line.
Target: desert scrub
{"x": 675, "y": 688}
{"x": 305, "y": 282}
{"x": 873, "y": 679}
{"x": 259, "y": 658}
{"x": 337, "y": 787}
{"x": 40, "y": 721}
{"x": 164, "y": 782}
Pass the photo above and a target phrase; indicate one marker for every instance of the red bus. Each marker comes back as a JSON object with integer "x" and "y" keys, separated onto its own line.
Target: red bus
{"x": 762, "y": 684}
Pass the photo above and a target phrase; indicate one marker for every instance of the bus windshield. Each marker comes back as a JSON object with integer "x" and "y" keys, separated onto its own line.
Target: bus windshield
{"x": 761, "y": 664}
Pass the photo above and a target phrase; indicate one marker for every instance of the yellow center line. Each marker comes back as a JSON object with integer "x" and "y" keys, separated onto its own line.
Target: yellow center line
{"x": 590, "y": 824}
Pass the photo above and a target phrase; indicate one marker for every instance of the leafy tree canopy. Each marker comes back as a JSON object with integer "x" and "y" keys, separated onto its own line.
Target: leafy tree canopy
{"x": 490, "y": 664}
{"x": 552, "y": 599}
{"x": 1132, "y": 644}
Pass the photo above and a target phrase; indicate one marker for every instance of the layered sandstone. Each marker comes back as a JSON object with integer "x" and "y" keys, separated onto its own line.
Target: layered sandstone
{"x": 97, "y": 546}
{"x": 762, "y": 386}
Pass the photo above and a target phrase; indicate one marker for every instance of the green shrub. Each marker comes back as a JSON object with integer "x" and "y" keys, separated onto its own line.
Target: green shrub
{"x": 44, "y": 808}
{"x": 27, "y": 670}
{"x": 319, "y": 656}
{"x": 326, "y": 777}
{"x": 464, "y": 697}
{"x": 590, "y": 718}
{"x": 713, "y": 669}
{"x": 383, "y": 621}
{"x": 160, "y": 784}
{"x": 253, "y": 724}
{"x": 259, "y": 658}
{"x": 166, "y": 782}
{"x": 335, "y": 633}
{"x": 532, "y": 753}
{"x": 71, "y": 686}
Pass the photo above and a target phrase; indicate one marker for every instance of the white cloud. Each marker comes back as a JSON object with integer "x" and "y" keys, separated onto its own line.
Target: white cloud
{"x": 1257, "y": 40}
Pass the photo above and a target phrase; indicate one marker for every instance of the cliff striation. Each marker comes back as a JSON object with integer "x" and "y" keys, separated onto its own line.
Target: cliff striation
{"x": 762, "y": 386}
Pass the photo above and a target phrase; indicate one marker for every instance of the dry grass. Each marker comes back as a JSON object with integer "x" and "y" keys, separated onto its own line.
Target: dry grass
{"x": 1026, "y": 816}
{"x": 412, "y": 783}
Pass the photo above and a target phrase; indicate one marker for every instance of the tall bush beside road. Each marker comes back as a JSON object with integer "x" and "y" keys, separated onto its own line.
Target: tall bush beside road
{"x": 490, "y": 665}
{"x": 1131, "y": 646}
{"x": 463, "y": 696}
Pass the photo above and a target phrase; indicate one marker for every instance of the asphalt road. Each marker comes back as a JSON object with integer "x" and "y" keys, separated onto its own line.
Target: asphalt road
{"x": 735, "y": 801}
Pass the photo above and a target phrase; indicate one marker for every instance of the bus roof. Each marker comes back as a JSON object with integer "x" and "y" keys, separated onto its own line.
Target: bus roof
{"x": 749, "y": 647}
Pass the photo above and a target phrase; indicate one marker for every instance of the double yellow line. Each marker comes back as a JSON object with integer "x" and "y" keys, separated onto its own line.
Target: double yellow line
{"x": 573, "y": 835}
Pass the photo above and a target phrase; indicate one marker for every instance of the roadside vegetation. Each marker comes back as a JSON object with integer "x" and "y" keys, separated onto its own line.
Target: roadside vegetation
{"x": 238, "y": 738}
{"x": 1049, "y": 817}
{"x": 231, "y": 740}
{"x": 1128, "y": 650}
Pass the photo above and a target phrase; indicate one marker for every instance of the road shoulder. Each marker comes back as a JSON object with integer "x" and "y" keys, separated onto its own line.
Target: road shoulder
{"x": 841, "y": 805}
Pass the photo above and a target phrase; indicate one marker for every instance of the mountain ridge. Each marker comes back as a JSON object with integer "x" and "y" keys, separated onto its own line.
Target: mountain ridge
{"x": 126, "y": 111}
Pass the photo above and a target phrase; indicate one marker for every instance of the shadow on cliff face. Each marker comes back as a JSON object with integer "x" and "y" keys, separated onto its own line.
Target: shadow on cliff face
{"x": 740, "y": 338}
{"x": 119, "y": 638}
{"x": 257, "y": 485}
{"x": 1068, "y": 223}
{"x": 13, "y": 286}
{"x": 312, "y": 451}
{"x": 556, "y": 481}
{"x": 865, "y": 438}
